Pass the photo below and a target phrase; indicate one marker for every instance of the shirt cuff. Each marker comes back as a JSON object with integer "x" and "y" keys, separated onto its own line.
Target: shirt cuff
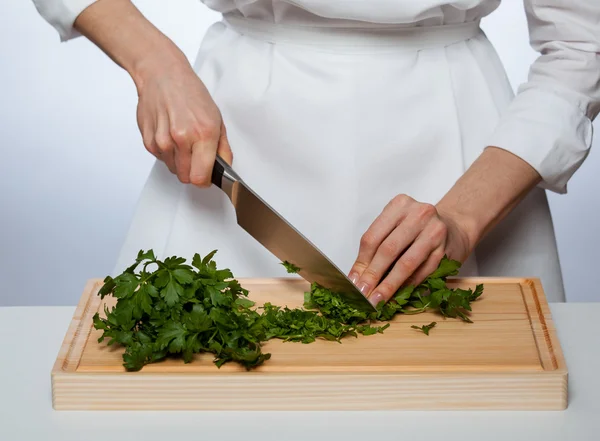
{"x": 62, "y": 14}
{"x": 548, "y": 132}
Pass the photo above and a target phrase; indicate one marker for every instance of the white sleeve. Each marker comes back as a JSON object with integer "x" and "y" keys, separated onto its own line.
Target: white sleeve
{"x": 549, "y": 122}
{"x": 61, "y": 14}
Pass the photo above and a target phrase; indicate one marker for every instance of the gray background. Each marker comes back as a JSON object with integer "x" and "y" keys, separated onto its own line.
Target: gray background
{"x": 73, "y": 163}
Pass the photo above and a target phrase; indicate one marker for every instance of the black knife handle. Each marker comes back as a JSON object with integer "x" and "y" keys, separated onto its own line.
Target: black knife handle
{"x": 224, "y": 177}
{"x": 217, "y": 173}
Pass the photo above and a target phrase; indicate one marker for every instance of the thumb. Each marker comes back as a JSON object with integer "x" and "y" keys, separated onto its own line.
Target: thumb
{"x": 224, "y": 149}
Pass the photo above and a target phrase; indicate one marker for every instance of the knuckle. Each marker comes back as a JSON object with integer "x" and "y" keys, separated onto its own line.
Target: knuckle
{"x": 386, "y": 288}
{"x": 389, "y": 248}
{"x": 358, "y": 269}
{"x": 370, "y": 275}
{"x": 436, "y": 256}
{"x": 150, "y": 146}
{"x": 407, "y": 264}
{"x": 164, "y": 143}
{"x": 358, "y": 266}
{"x": 368, "y": 240}
{"x": 401, "y": 200}
{"x": 440, "y": 230}
{"x": 209, "y": 131}
{"x": 427, "y": 210}
{"x": 180, "y": 134}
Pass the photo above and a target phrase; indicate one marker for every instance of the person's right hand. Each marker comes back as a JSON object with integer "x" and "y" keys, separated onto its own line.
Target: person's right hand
{"x": 180, "y": 123}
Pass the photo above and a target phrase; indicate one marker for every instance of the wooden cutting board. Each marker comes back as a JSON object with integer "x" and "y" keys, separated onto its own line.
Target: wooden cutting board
{"x": 509, "y": 358}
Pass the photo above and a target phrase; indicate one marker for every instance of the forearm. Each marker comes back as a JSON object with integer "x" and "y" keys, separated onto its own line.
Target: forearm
{"x": 494, "y": 184}
{"x": 128, "y": 38}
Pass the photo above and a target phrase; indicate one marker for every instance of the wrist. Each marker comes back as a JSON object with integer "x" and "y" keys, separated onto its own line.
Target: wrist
{"x": 155, "y": 62}
{"x": 469, "y": 225}
{"x": 129, "y": 39}
{"x": 492, "y": 186}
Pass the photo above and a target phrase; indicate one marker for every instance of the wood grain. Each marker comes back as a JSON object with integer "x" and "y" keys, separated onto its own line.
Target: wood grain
{"x": 509, "y": 358}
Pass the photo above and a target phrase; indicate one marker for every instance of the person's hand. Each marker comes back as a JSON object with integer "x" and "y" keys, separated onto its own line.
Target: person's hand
{"x": 180, "y": 123}
{"x": 409, "y": 238}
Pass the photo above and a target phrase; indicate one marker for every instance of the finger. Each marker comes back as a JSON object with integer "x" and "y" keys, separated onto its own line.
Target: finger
{"x": 407, "y": 231}
{"x": 147, "y": 128}
{"x": 151, "y": 146}
{"x": 426, "y": 268}
{"x": 389, "y": 251}
{"x": 165, "y": 143}
{"x": 415, "y": 256}
{"x": 224, "y": 149}
{"x": 204, "y": 153}
{"x": 429, "y": 244}
{"x": 393, "y": 214}
{"x": 167, "y": 158}
{"x": 182, "y": 154}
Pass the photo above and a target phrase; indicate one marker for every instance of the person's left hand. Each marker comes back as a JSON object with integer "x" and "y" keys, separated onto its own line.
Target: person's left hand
{"x": 413, "y": 237}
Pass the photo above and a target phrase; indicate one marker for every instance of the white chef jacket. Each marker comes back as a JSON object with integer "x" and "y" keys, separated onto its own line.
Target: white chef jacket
{"x": 548, "y": 124}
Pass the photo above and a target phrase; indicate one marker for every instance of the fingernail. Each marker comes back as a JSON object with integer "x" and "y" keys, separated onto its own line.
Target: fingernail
{"x": 364, "y": 288}
{"x": 376, "y": 298}
{"x": 354, "y": 277}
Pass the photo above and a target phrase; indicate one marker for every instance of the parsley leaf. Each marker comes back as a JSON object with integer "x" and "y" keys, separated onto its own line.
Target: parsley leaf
{"x": 171, "y": 292}
{"x": 290, "y": 267}
{"x": 425, "y": 328}
{"x": 445, "y": 268}
{"x": 172, "y": 335}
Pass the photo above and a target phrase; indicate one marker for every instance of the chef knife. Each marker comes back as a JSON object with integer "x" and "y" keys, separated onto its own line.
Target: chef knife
{"x": 278, "y": 236}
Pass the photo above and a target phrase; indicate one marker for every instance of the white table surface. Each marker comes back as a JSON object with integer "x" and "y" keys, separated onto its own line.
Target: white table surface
{"x": 31, "y": 336}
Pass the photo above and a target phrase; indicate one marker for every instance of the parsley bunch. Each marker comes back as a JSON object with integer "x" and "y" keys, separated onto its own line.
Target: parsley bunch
{"x": 175, "y": 309}
{"x": 431, "y": 294}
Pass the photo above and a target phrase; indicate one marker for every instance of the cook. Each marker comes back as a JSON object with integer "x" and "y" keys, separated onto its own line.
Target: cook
{"x": 384, "y": 130}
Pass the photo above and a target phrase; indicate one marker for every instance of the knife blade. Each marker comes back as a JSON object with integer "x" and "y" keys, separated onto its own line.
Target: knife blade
{"x": 284, "y": 241}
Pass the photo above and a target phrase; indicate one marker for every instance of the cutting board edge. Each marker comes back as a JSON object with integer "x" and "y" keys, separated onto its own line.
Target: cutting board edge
{"x": 310, "y": 392}
{"x": 549, "y": 323}
{"x": 78, "y": 332}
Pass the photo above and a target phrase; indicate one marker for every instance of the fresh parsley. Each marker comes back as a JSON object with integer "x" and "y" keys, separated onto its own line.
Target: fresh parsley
{"x": 425, "y": 328}
{"x": 290, "y": 267}
{"x": 172, "y": 309}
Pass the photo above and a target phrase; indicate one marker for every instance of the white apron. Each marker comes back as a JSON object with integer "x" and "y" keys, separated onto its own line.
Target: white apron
{"x": 329, "y": 120}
